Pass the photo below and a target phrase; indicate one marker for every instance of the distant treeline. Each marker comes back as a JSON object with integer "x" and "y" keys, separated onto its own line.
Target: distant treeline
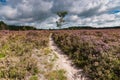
{"x": 4, "y": 26}
{"x": 89, "y": 27}
{"x": 13, "y": 27}
{"x": 79, "y": 27}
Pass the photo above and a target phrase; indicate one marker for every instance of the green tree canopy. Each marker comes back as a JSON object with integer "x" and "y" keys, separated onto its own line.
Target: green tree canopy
{"x": 61, "y": 20}
{"x": 62, "y": 13}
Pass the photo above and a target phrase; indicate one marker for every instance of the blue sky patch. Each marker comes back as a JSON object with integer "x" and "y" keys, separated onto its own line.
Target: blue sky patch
{"x": 114, "y": 11}
{"x": 3, "y": 1}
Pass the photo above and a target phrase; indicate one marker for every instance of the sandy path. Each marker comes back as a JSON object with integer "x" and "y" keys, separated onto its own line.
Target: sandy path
{"x": 64, "y": 63}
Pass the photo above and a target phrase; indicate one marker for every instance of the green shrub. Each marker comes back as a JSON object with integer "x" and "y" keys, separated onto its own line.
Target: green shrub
{"x": 2, "y": 55}
{"x": 34, "y": 77}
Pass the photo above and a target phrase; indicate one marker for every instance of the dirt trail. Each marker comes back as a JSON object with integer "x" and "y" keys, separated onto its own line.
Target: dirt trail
{"x": 64, "y": 63}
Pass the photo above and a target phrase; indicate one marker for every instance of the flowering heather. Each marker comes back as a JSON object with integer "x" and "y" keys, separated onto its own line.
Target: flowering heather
{"x": 97, "y": 52}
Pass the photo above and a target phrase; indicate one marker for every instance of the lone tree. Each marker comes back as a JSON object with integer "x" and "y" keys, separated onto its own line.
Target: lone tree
{"x": 61, "y": 20}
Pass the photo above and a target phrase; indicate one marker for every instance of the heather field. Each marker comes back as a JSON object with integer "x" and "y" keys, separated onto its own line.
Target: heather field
{"x": 97, "y": 52}
{"x": 59, "y": 39}
{"x": 31, "y": 55}
{"x": 25, "y": 55}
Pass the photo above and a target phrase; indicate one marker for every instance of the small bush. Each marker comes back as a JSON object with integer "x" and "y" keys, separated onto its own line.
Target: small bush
{"x": 56, "y": 75}
{"x": 2, "y": 55}
{"x": 34, "y": 77}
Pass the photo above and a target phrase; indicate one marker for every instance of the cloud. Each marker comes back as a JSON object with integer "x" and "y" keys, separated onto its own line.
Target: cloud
{"x": 42, "y": 13}
{"x": 8, "y": 12}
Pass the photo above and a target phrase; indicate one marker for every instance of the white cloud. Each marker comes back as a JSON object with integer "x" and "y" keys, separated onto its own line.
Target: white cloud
{"x": 42, "y": 13}
{"x": 9, "y": 12}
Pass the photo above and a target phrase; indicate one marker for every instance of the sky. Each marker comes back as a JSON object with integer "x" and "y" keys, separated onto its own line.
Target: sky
{"x": 42, "y": 13}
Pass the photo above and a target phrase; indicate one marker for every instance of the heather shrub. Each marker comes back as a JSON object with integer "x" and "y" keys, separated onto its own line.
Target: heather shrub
{"x": 93, "y": 51}
{"x": 17, "y": 59}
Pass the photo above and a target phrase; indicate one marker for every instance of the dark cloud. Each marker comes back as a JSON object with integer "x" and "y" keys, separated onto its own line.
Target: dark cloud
{"x": 61, "y": 5}
{"x": 90, "y": 12}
